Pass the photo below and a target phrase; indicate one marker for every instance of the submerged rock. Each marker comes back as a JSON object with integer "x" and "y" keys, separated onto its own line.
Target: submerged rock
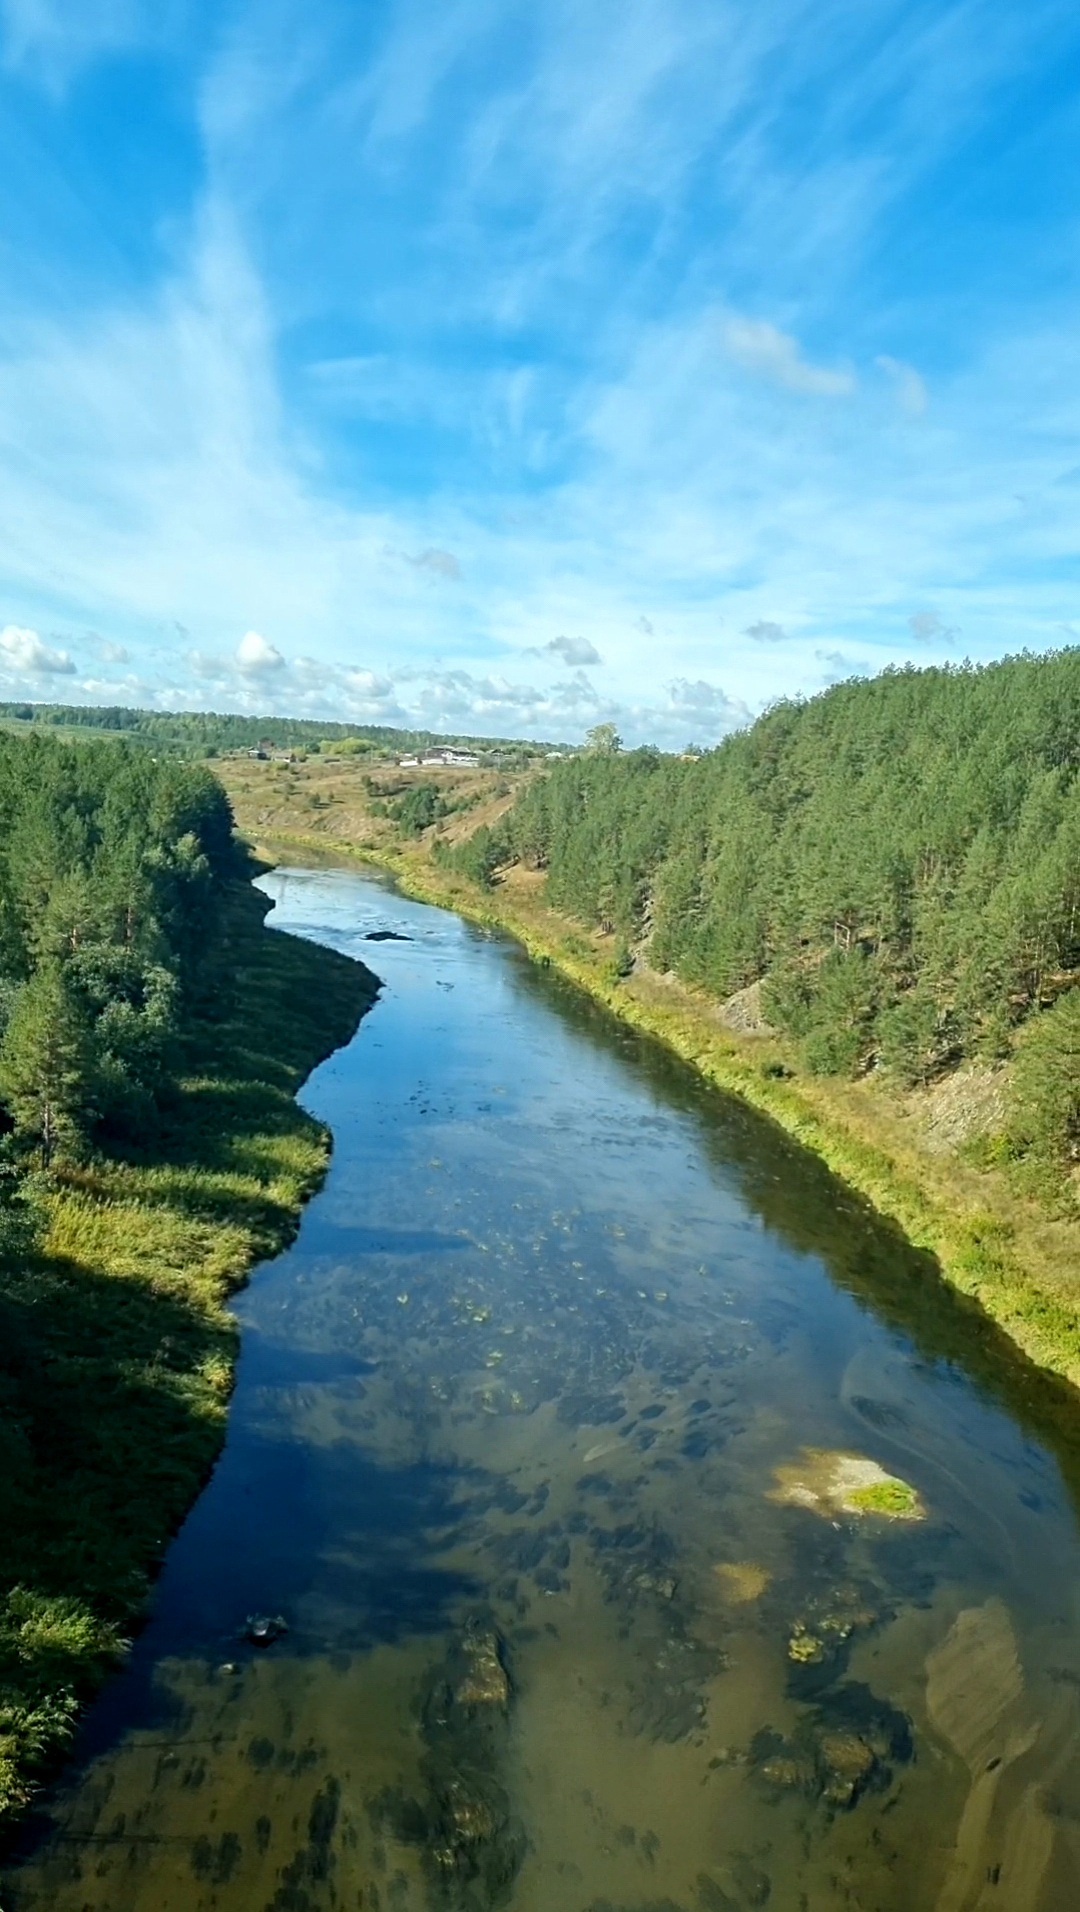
{"x": 831, "y": 1483}
{"x": 262, "y": 1629}
{"x": 469, "y": 1841}
{"x": 486, "y": 1681}
{"x": 849, "y": 1764}
{"x": 386, "y": 936}
{"x": 847, "y": 1747}
{"x": 805, "y": 1648}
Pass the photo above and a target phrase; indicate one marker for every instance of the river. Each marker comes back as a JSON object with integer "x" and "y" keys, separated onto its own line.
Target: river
{"x": 550, "y": 1445}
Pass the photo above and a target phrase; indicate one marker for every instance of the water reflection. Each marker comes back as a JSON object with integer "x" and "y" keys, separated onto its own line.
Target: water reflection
{"x": 508, "y": 1451}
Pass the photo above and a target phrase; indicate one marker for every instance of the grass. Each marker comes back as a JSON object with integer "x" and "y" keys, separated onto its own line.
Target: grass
{"x": 116, "y": 1347}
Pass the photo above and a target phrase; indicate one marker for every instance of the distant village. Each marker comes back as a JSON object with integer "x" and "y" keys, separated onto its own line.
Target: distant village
{"x": 441, "y": 760}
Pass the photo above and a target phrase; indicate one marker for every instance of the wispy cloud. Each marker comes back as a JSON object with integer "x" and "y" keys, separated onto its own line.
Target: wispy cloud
{"x": 763, "y": 349}
{"x": 52, "y": 39}
{"x": 440, "y": 564}
{"x": 927, "y": 627}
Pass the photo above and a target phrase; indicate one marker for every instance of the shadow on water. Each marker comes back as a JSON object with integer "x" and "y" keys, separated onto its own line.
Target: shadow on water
{"x": 349, "y": 1585}
{"x": 812, "y": 1210}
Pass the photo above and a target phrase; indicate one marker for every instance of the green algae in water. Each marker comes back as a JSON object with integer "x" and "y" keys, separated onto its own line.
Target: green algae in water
{"x": 895, "y": 1499}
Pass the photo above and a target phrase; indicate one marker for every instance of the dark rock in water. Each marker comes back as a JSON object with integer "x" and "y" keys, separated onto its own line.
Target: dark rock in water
{"x": 841, "y": 1753}
{"x": 485, "y": 1681}
{"x": 471, "y": 1845}
{"x": 262, "y": 1629}
{"x": 849, "y": 1764}
{"x": 386, "y": 936}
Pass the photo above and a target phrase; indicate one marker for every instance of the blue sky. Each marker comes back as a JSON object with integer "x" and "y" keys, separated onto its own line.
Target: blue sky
{"x": 511, "y": 367}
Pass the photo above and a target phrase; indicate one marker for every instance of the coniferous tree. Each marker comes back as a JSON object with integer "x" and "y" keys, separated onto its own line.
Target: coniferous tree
{"x": 45, "y": 1063}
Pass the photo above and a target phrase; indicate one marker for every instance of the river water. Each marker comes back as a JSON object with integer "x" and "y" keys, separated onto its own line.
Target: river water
{"x": 535, "y": 1449}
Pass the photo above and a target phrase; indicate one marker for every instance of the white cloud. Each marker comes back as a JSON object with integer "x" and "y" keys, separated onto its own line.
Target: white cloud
{"x": 22, "y": 650}
{"x": 909, "y": 385}
{"x": 256, "y": 657}
{"x": 774, "y": 355}
{"x": 574, "y": 650}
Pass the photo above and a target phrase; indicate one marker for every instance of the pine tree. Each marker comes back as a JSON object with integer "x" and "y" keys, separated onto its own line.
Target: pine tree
{"x": 46, "y": 1063}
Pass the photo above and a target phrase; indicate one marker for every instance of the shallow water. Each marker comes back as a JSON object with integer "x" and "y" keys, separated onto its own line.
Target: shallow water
{"x": 504, "y": 1454}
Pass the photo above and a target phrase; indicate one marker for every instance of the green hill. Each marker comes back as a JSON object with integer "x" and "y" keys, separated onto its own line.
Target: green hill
{"x": 897, "y": 861}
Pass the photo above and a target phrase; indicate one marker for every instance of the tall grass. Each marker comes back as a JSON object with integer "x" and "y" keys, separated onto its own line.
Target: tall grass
{"x": 116, "y": 1347}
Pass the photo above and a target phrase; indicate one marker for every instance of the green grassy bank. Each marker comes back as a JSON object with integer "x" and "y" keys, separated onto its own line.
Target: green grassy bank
{"x": 116, "y": 1348}
{"x": 1005, "y": 1254}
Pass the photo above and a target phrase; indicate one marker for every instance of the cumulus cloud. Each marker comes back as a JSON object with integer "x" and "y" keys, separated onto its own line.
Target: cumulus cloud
{"x": 574, "y": 650}
{"x": 766, "y": 632}
{"x": 909, "y": 385}
{"x": 763, "y": 349}
{"x": 927, "y": 627}
{"x": 256, "y": 657}
{"x": 22, "y": 650}
{"x": 440, "y": 564}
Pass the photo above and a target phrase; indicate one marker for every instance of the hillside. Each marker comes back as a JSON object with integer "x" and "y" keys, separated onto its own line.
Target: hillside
{"x": 897, "y": 863}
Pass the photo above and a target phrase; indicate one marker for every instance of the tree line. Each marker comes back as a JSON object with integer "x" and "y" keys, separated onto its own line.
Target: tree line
{"x": 896, "y": 861}
{"x": 112, "y": 866}
{"x": 213, "y": 733}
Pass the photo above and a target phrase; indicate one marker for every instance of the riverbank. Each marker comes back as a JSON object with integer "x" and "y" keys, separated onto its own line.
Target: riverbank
{"x": 1008, "y": 1253}
{"x": 117, "y": 1350}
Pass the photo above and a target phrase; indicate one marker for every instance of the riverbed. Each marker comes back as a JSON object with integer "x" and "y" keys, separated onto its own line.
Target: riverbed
{"x": 538, "y": 1454}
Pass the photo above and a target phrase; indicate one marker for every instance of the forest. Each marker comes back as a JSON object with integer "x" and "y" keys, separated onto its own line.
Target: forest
{"x": 896, "y": 862}
{"x": 111, "y": 866}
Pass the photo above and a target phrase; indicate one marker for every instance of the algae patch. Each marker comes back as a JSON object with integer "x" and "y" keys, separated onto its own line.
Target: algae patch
{"x": 831, "y": 1483}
